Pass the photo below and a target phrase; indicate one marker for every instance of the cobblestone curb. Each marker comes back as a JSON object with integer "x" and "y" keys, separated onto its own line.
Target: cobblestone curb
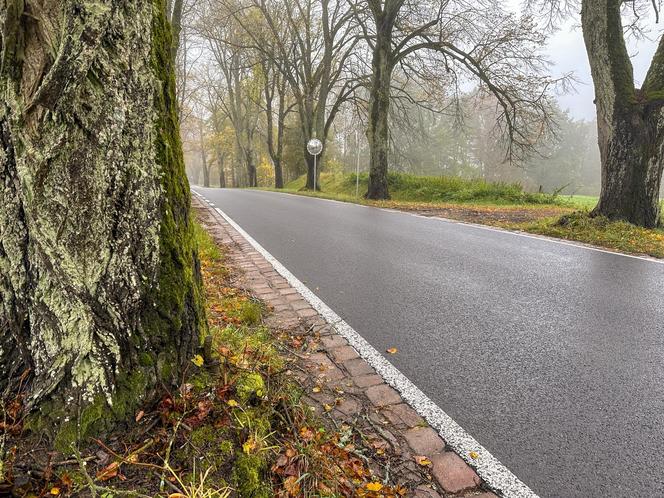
{"x": 342, "y": 385}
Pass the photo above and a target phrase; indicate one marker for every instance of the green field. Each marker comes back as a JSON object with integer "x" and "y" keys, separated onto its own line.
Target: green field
{"x": 582, "y": 201}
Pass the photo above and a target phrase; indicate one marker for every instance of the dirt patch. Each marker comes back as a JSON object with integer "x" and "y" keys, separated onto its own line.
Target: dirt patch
{"x": 489, "y": 216}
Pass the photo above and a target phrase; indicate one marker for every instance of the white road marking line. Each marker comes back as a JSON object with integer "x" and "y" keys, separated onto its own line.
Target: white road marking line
{"x": 495, "y": 474}
{"x": 545, "y": 238}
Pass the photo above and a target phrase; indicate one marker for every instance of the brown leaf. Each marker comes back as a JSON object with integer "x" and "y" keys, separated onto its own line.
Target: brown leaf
{"x": 140, "y": 415}
{"x": 292, "y": 486}
{"x": 109, "y": 472}
{"x": 306, "y": 433}
{"x": 393, "y": 350}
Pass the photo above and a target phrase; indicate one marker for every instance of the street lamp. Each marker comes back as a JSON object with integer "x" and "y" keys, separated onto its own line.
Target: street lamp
{"x": 315, "y": 147}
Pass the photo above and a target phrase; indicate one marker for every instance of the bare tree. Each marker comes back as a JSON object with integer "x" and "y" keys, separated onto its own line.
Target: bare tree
{"x": 236, "y": 88}
{"x": 445, "y": 44}
{"x": 277, "y": 107}
{"x": 311, "y": 43}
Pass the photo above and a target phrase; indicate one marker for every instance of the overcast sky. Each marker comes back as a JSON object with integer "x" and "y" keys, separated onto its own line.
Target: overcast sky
{"x": 567, "y": 52}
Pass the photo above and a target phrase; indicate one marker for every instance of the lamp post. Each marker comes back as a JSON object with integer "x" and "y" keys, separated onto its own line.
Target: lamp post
{"x": 315, "y": 147}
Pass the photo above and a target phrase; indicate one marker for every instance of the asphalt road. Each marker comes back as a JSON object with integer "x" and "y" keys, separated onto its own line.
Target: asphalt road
{"x": 551, "y": 356}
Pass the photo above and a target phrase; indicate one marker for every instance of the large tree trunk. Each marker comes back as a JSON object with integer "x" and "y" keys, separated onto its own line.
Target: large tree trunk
{"x": 630, "y": 121}
{"x": 99, "y": 279}
{"x": 378, "y": 132}
{"x": 278, "y": 174}
{"x": 631, "y": 152}
{"x": 252, "y": 177}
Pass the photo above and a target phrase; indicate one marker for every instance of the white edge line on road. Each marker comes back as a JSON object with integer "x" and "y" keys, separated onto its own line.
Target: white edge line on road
{"x": 479, "y": 226}
{"x": 495, "y": 474}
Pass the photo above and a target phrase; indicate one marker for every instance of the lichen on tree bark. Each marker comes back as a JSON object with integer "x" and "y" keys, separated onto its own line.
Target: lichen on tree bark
{"x": 630, "y": 121}
{"x": 99, "y": 278}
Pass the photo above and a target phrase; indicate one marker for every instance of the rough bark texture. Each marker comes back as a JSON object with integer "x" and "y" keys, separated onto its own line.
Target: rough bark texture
{"x": 379, "y": 108}
{"x": 384, "y": 58}
{"x": 99, "y": 280}
{"x": 630, "y": 121}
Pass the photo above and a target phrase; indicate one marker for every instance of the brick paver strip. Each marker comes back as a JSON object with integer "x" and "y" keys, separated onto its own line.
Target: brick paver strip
{"x": 452, "y": 473}
{"x": 336, "y": 363}
{"x": 424, "y": 440}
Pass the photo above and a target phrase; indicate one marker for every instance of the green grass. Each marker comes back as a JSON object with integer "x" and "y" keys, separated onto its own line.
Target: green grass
{"x": 599, "y": 231}
{"x": 429, "y": 189}
{"x": 582, "y": 201}
{"x": 206, "y": 246}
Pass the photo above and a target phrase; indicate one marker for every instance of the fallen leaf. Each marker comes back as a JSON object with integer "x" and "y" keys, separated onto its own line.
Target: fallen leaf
{"x": 392, "y": 350}
{"x": 109, "y": 472}
{"x": 306, "y": 433}
{"x": 474, "y": 455}
{"x": 422, "y": 460}
{"x": 292, "y": 486}
{"x": 327, "y": 407}
{"x": 316, "y": 389}
{"x": 232, "y": 402}
{"x": 198, "y": 360}
{"x": 140, "y": 415}
{"x": 374, "y": 486}
{"x": 55, "y": 491}
{"x": 66, "y": 480}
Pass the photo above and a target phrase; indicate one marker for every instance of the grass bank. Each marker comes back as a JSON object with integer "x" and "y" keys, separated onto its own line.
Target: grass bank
{"x": 429, "y": 189}
{"x": 616, "y": 235}
{"x": 498, "y": 204}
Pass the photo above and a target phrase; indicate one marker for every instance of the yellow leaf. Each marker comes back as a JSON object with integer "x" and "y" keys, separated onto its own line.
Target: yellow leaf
{"x": 327, "y": 407}
{"x": 55, "y": 491}
{"x": 198, "y": 360}
{"x": 316, "y": 389}
{"x": 392, "y": 350}
{"x": 474, "y": 455}
{"x": 374, "y": 486}
{"x": 232, "y": 402}
{"x": 422, "y": 460}
{"x": 248, "y": 446}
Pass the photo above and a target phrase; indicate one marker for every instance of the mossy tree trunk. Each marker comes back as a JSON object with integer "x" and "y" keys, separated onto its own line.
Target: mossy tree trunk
{"x": 378, "y": 133}
{"x": 100, "y": 291}
{"x": 630, "y": 121}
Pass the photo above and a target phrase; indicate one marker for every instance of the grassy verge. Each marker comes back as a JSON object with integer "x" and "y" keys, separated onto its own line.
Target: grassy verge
{"x": 496, "y": 204}
{"x": 617, "y": 235}
{"x": 432, "y": 190}
{"x": 236, "y": 425}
